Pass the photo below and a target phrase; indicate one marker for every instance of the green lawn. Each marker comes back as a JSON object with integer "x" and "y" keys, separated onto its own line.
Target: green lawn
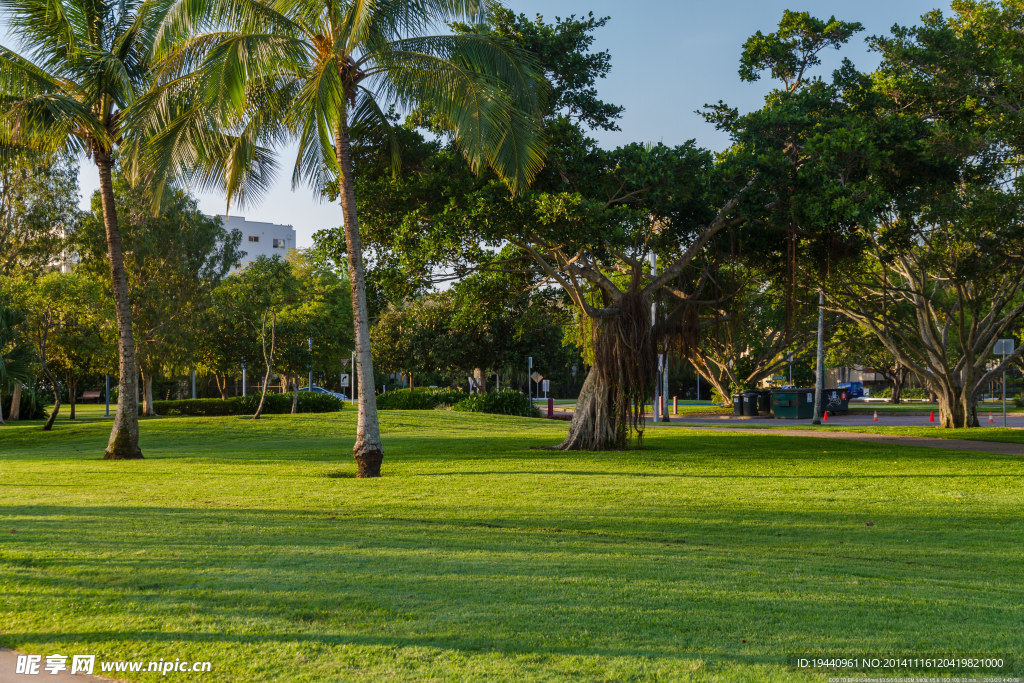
{"x": 706, "y": 556}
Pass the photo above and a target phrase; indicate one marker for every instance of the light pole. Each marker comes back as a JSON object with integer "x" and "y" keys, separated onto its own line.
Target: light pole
{"x": 107, "y": 394}
{"x": 654, "y": 320}
{"x": 193, "y": 384}
{"x": 243, "y": 377}
{"x": 310, "y": 340}
{"x": 819, "y": 381}
{"x": 352, "y": 384}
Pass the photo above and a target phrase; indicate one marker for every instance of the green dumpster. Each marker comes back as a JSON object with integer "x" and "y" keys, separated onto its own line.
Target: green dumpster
{"x": 793, "y": 404}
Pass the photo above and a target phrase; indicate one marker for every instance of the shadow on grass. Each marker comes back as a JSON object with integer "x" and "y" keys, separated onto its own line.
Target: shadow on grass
{"x": 654, "y": 583}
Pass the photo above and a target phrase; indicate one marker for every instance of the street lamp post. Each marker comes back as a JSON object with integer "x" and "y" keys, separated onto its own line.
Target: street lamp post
{"x": 243, "y": 377}
{"x": 310, "y": 340}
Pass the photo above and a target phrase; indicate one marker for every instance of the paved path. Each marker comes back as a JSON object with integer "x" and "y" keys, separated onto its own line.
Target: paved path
{"x": 9, "y": 664}
{"x": 887, "y": 439}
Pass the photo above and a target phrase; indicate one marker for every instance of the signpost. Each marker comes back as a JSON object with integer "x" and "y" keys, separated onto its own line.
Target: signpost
{"x": 547, "y": 385}
{"x": 1004, "y": 347}
{"x": 529, "y": 382}
{"x": 344, "y": 380}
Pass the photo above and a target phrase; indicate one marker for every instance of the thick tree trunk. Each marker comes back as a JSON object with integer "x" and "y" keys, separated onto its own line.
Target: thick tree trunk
{"x": 72, "y": 395}
{"x": 368, "y": 450}
{"x": 595, "y": 421}
{"x": 899, "y": 378}
{"x": 611, "y": 402}
{"x": 124, "y": 435}
{"x": 15, "y": 403}
{"x": 481, "y": 379}
{"x": 56, "y": 398}
{"x": 147, "y": 394}
{"x": 956, "y": 409}
{"x": 295, "y": 395}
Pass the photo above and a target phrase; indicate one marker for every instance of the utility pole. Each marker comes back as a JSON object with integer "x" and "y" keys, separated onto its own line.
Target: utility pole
{"x": 654, "y": 321}
{"x": 310, "y": 340}
{"x": 243, "y": 377}
{"x": 193, "y": 384}
{"x": 819, "y": 381}
{"x": 107, "y": 394}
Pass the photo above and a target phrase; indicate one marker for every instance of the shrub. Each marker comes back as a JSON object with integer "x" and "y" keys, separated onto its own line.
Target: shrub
{"x": 504, "y": 402}
{"x": 276, "y": 404}
{"x": 206, "y": 407}
{"x": 882, "y": 393}
{"x": 1019, "y": 401}
{"x": 31, "y": 405}
{"x": 403, "y": 399}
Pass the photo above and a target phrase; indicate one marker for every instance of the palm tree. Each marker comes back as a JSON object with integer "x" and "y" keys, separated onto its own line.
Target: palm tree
{"x": 77, "y": 87}
{"x": 319, "y": 71}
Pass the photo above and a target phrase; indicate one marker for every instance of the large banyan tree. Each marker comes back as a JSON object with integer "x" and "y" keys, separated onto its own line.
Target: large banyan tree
{"x": 594, "y": 217}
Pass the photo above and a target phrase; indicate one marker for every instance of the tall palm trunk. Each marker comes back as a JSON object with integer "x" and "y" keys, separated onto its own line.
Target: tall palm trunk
{"x": 368, "y": 450}
{"x": 124, "y": 436}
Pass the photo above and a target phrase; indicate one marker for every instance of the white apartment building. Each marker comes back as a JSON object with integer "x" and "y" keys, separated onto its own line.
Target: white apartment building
{"x": 261, "y": 239}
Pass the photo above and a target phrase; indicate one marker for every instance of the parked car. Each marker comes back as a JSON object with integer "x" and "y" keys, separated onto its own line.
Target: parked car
{"x": 321, "y": 390}
{"x": 853, "y": 389}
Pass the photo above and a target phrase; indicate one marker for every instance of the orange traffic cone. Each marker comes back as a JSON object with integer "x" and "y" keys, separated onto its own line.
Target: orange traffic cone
{"x": 876, "y": 417}
{"x": 990, "y": 420}
{"x": 826, "y": 416}
{"x": 932, "y": 417}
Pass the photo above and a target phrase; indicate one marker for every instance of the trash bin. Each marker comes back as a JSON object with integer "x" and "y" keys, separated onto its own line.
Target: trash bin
{"x": 737, "y": 405}
{"x": 749, "y": 402}
{"x": 793, "y": 404}
{"x": 835, "y": 401}
{"x": 764, "y": 401}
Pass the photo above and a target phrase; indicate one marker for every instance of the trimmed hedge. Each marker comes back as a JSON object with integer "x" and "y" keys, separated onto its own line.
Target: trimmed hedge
{"x": 276, "y": 404}
{"x": 504, "y": 402}
{"x": 421, "y": 399}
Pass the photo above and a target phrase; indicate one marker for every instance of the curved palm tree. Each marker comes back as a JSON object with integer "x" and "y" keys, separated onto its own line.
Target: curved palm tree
{"x": 318, "y": 71}
{"x": 76, "y": 87}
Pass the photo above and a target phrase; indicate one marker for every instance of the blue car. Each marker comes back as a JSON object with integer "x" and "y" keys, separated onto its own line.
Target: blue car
{"x": 853, "y": 389}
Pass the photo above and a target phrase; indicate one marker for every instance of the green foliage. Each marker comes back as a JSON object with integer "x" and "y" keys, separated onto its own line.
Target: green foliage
{"x": 794, "y": 49}
{"x": 420, "y": 399}
{"x": 275, "y": 404}
{"x": 31, "y": 404}
{"x": 403, "y": 399}
{"x": 38, "y": 211}
{"x": 504, "y": 402}
{"x": 909, "y": 392}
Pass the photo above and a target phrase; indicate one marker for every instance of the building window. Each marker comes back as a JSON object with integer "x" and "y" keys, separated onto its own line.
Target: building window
{"x": 279, "y": 244}
{"x": 254, "y": 238}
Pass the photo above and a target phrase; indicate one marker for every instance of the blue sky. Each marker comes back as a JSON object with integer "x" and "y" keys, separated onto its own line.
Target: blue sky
{"x": 668, "y": 59}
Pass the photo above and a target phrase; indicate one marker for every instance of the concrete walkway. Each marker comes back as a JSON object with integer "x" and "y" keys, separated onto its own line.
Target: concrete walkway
{"x": 886, "y": 439}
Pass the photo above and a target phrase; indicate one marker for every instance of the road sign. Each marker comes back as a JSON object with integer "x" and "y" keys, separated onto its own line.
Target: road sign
{"x": 344, "y": 362}
{"x": 1003, "y": 347}
{"x": 547, "y": 385}
{"x": 536, "y": 377}
{"x": 344, "y": 380}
